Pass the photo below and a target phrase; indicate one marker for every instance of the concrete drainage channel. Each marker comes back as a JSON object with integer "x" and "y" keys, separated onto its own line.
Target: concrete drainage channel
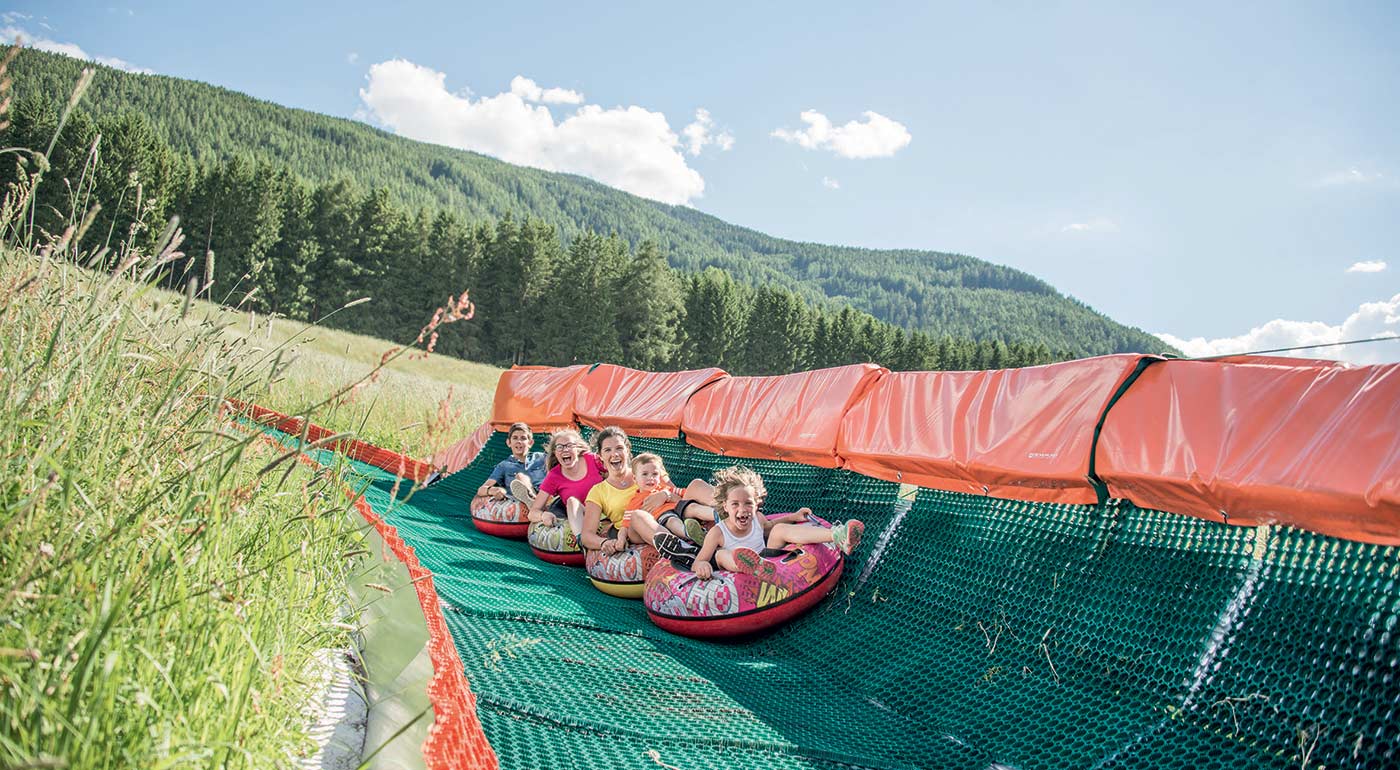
{"x": 340, "y": 712}
{"x": 373, "y": 708}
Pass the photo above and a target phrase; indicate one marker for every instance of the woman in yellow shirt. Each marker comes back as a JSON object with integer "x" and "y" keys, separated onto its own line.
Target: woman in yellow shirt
{"x": 607, "y": 500}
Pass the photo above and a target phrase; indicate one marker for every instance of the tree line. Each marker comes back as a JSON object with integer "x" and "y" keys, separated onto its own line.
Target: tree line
{"x": 260, "y": 237}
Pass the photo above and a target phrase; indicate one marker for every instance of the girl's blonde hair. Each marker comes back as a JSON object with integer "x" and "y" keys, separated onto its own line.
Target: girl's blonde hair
{"x": 567, "y": 435}
{"x": 734, "y": 477}
{"x": 649, "y": 457}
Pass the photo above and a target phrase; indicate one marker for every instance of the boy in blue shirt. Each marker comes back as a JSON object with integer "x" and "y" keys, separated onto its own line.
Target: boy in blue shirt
{"x": 521, "y": 473}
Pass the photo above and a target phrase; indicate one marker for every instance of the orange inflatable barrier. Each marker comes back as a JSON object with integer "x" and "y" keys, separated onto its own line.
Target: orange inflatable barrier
{"x": 1025, "y": 434}
{"x": 542, "y": 396}
{"x": 1314, "y": 445}
{"x": 461, "y": 454}
{"x": 793, "y": 417}
{"x": 642, "y": 403}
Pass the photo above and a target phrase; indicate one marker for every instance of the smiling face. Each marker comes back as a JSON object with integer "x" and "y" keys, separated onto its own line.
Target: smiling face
{"x": 519, "y": 443}
{"x": 648, "y": 476}
{"x": 741, "y": 505}
{"x": 568, "y": 449}
{"x": 615, "y": 455}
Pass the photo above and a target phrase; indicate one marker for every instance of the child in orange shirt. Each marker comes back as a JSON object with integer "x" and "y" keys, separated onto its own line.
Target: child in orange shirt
{"x": 658, "y": 499}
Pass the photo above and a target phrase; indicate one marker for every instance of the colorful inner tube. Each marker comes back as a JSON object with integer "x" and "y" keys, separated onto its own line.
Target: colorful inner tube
{"x": 734, "y": 604}
{"x": 555, "y": 544}
{"x": 502, "y": 518}
{"x": 622, "y": 574}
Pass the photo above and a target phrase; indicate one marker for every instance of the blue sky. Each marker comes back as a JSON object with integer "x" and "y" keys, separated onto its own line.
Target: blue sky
{"x": 1227, "y": 173}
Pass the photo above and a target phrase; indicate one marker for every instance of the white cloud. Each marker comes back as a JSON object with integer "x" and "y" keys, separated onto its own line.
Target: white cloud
{"x": 1371, "y": 319}
{"x": 526, "y": 89}
{"x": 1369, "y": 266}
{"x": 352, "y": 57}
{"x": 11, "y": 32}
{"x": 1096, "y": 225}
{"x": 630, "y": 148}
{"x": 1350, "y": 176}
{"x": 698, "y": 134}
{"x": 9, "y": 18}
{"x": 830, "y": 184}
{"x": 877, "y": 137}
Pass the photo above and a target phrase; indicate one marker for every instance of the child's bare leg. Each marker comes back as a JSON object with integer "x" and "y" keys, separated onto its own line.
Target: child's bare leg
{"x": 575, "y": 514}
{"x": 782, "y": 534}
{"x": 702, "y": 500}
{"x": 672, "y": 522}
{"x": 724, "y": 559}
{"x": 700, "y": 512}
{"x": 700, "y": 491}
{"x": 745, "y": 560}
{"x": 643, "y": 527}
{"x": 845, "y": 536}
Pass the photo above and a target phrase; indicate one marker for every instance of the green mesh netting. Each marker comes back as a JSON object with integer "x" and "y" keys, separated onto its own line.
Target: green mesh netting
{"x": 967, "y": 632}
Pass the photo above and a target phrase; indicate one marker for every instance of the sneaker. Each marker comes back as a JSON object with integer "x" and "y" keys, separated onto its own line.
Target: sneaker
{"x": 847, "y": 536}
{"x": 695, "y": 531}
{"x": 681, "y": 553}
{"x": 522, "y": 491}
{"x": 747, "y": 560}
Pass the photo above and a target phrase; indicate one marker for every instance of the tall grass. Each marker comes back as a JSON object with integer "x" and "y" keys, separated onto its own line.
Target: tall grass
{"x": 160, "y": 599}
{"x": 165, "y": 582}
{"x": 416, "y": 404}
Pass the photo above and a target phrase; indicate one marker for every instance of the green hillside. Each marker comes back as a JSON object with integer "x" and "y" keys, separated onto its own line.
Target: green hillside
{"x": 942, "y": 294}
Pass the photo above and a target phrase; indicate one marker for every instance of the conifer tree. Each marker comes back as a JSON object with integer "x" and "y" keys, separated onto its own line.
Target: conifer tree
{"x": 777, "y": 333}
{"x": 714, "y": 321}
{"x": 334, "y": 277}
{"x": 294, "y": 255}
{"x": 650, "y": 311}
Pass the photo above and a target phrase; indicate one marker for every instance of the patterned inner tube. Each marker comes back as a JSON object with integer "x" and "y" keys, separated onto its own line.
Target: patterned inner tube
{"x": 503, "y": 518}
{"x": 734, "y": 604}
{"x": 555, "y": 543}
{"x": 623, "y": 573}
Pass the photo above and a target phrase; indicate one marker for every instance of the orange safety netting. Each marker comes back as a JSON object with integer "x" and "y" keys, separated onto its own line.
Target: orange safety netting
{"x": 1019, "y": 433}
{"x": 401, "y": 465}
{"x": 540, "y": 396}
{"x": 788, "y": 417}
{"x": 1310, "y": 445}
{"x": 461, "y": 454}
{"x": 641, "y": 403}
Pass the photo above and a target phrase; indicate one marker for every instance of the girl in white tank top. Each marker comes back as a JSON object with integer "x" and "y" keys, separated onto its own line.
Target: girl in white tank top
{"x": 754, "y": 540}
{"x": 735, "y": 542}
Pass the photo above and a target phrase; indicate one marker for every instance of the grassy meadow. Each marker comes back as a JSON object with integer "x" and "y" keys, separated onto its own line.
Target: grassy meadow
{"x": 169, "y": 579}
{"x": 416, "y": 404}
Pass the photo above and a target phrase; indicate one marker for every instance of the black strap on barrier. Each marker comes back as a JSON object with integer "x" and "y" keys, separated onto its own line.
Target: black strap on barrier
{"x": 1101, "y": 488}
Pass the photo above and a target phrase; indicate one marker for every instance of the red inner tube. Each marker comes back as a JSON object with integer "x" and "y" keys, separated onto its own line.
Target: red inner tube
{"x": 750, "y": 621}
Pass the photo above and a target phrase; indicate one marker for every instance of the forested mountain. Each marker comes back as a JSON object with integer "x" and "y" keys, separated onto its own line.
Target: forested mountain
{"x": 940, "y": 294}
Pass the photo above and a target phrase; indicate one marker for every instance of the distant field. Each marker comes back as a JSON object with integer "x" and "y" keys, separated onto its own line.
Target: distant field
{"x": 417, "y": 405}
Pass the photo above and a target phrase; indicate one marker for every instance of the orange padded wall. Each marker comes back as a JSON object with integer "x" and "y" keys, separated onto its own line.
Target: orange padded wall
{"x": 1308, "y": 444}
{"x": 641, "y": 403}
{"x": 787, "y": 417}
{"x": 542, "y": 396}
{"x": 1025, "y": 434}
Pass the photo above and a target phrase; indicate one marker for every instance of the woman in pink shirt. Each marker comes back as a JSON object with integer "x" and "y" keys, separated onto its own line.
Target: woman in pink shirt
{"x": 570, "y": 471}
